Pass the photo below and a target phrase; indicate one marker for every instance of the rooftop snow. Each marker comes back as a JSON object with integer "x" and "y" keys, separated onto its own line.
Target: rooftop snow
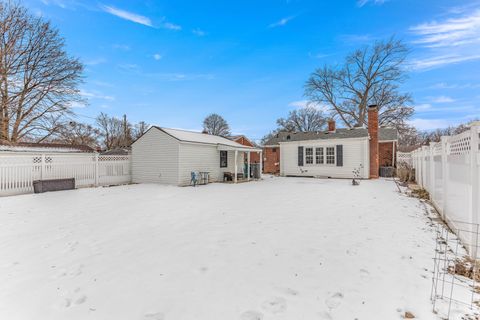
{"x": 192, "y": 136}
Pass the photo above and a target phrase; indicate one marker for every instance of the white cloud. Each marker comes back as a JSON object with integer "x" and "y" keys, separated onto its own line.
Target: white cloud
{"x": 439, "y": 61}
{"x": 172, "y": 26}
{"x": 157, "y": 56}
{"x": 429, "y": 124}
{"x": 96, "y": 95}
{"x": 455, "y": 39}
{"x": 423, "y": 107}
{"x": 199, "y": 32}
{"x": 304, "y": 103}
{"x": 361, "y": 3}
{"x": 442, "y": 99}
{"x": 281, "y": 22}
{"x": 450, "y": 33}
{"x": 123, "y": 47}
{"x": 130, "y": 16}
{"x": 181, "y": 76}
{"x": 94, "y": 62}
{"x": 444, "y": 85}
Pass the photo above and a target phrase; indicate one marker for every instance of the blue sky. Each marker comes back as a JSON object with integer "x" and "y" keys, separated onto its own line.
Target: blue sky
{"x": 171, "y": 63}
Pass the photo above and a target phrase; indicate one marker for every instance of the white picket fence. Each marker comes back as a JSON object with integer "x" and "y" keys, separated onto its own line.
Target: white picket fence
{"x": 18, "y": 170}
{"x": 450, "y": 171}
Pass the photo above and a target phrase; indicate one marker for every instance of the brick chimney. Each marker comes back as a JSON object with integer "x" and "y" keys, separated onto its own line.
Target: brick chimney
{"x": 331, "y": 125}
{"x": 373, "y": 134}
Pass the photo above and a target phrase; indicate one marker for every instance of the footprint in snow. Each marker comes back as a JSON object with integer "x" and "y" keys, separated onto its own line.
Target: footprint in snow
{"x": 81, "y": 300}
{"x": 325, "y": 316}
{"x": 334, "y": 300}
{"x": 364, "y": 273}
{"x": 154, "y": 316}
{"x": 290, "y": 291}
{"x": 275, "y": 305}
{"x": 251, "y": 315}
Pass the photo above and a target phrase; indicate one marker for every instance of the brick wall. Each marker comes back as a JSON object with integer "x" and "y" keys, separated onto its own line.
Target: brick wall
{"x": 386, "y": 154}
{"x": 254, "y": 157}
{"x": 271, "y": 160}
{"x": 373, "y": 133}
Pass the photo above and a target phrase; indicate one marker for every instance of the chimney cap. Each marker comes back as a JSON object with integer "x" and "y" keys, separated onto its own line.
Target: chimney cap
{"x": 373, "y": 106}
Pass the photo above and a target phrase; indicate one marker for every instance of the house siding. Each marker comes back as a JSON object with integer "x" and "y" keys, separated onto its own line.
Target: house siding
{"x": 197, "y": 157}
{"x": 355, "y": 153}
{"x": 155, "y": 158}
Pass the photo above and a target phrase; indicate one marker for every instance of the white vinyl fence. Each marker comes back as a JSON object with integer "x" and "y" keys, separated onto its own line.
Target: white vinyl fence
{"x": 450, "y": 171}
{"x": 18, "y": 170}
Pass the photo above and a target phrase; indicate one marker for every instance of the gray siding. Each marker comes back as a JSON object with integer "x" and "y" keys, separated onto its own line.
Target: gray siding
{"x": 198, "y": 157}
{"x": 155, "y": 158}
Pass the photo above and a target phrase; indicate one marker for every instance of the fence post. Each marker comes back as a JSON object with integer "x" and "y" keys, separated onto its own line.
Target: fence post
{"x": 42, "y": 167}
{"x": 444, "y": 142}
{"x": 432, "y": 171}
{"x": 474, "y": 148}
{"x": 97, "y": 178}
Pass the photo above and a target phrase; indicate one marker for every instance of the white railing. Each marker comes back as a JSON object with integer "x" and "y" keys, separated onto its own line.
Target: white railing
{"x": 450, "y": 171}
{"x": 18, "y": 170}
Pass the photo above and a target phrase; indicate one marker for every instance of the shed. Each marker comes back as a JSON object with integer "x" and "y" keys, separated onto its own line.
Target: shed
{"x": 168, "y": 156}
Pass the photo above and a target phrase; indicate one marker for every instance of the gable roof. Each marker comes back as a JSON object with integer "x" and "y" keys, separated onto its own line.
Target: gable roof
{"x": 384, "y": 134}
{"x": 198, "y": 137}
{"x": 240, "y": 136}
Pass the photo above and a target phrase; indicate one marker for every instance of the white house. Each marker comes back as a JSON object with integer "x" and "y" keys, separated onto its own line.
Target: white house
{"x": 168, "y": 156}
{"x": 336, "y": 153}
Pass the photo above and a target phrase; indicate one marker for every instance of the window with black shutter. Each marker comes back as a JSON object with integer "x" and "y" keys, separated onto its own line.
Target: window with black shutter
{"x": 300, "y": 156}
{"x": 339, "y": 155}
{"x": 223, "y": 159}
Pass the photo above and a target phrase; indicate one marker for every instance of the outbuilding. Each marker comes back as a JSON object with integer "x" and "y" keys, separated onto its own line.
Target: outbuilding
{"x": 169, "y": 156}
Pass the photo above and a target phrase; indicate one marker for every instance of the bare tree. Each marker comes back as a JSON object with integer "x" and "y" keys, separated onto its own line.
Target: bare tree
{"x": 118, "y": 133}
{"x": 303, "y": 120}
{"x": 139, "y": 129}
{"x": 38, "y": 80}
{"x": 371, "y": 75}
{"x": 77, "y": 133}
{"x": 268, "y": 136}
{"x": 216, "y": 125}
{"x": 410, "y": 136}
{"x": 112, "y": 131}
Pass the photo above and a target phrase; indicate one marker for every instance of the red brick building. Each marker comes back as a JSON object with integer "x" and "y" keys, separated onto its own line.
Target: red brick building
{"x": 241, "y": 139}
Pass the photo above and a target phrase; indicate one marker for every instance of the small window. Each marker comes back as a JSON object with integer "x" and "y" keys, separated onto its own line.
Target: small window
{"x": 274, "y": 150}
{"x": 223, "y": 159}
{"x": 309, "y": 155}
{"x": 330, "y": 155}
{"x": 319, "y": 155}
{"x": 288, "y": 137}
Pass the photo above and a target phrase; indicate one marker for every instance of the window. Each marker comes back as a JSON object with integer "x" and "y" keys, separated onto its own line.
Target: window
{"x": 330, "y": 155}
{"x": 309, "y": 155}
{"x": 274, "y": 150}
{"x": 319, "y": 155}
{"x": 223, "y": 159}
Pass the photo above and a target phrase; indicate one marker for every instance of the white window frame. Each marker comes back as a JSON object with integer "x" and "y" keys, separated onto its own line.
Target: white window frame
{"x": 322, "y": 156}
{"x": 334, "y": 155}
{"x": 312, "y": 155}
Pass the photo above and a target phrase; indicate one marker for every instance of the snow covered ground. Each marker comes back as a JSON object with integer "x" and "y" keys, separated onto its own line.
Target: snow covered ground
{"x": 282, "y": 248}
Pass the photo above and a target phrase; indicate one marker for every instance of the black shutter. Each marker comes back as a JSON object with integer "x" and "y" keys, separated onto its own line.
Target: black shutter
{"x": 339, "y": 155}
{"x": 300, "y": 156}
